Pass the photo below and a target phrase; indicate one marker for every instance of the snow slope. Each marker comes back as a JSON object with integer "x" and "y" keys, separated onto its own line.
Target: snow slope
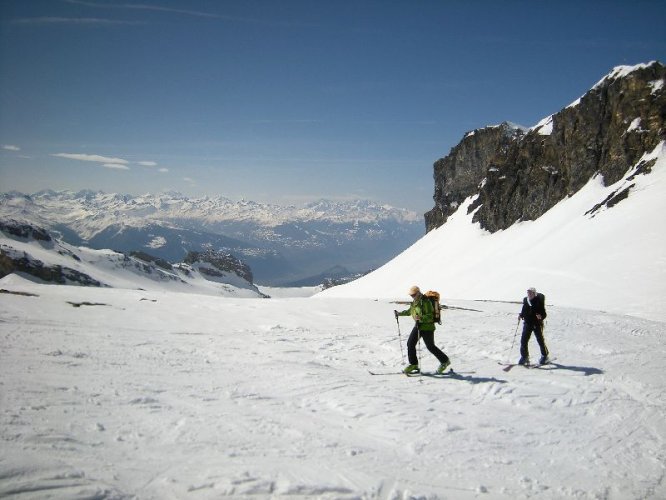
{"x": 118, "y": 270}
{"x": 114, "y": 394}
{"x": 612, "y": 260}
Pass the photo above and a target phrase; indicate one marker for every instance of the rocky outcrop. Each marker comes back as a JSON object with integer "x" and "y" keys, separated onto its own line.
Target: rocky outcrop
{"x": 11, "y": 262}
{"x": 219, "y": 263}
{"x": 31, "y": 251}
{"x": 461, "y": 173}
{"x": 520, "y": 174}
{"x": 146, "y": 257}
{"x": 14, "y": 261}
{"x": 24, "y": 231}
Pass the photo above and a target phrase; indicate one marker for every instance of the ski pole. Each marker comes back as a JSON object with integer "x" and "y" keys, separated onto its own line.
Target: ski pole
{"x": 402, "y": 354}
{"x": 514, "y": 340}
{"x": 418, "y": 343}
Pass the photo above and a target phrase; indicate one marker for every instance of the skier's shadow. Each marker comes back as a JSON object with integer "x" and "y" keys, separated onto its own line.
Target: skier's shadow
{"x": 585, "y": 370}
{"x": 471, "y": 379}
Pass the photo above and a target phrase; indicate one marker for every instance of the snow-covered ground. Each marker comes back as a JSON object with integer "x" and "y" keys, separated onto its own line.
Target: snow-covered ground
{"x": 111, "y": 393}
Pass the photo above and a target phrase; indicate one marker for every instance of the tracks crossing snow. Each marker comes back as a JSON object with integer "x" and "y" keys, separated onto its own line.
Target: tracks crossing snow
{"x": 192, "y": 396}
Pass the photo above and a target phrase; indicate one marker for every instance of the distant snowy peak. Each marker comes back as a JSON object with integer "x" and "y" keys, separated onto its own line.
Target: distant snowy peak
{"x": 68, "y": 205}
{"x": 356, "y": 210}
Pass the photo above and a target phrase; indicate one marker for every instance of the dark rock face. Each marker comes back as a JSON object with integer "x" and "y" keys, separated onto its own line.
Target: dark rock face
{"x": 223, "y": 262}
{"x": 25, "y": 231}
{"x": 461, "y": 172}
{"x": 12, "y": 263}
{"x": 520, "y": 175}
{"x": 145, "y": 257}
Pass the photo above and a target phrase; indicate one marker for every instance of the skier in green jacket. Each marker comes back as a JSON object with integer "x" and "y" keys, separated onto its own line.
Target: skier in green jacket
{"x": 421, "y": 309}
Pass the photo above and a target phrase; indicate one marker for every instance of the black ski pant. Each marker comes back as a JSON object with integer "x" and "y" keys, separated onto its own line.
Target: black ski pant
{"x": 429, "y": 340}
{"x": 528, "y": 328}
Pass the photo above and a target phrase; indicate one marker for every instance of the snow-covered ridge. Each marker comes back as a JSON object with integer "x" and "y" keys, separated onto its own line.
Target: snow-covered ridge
{"x": 616, "y": 73}
{"x": 622, "y": 72}
{"x": 545, "y": 126}
{"x": 33, "y": 253}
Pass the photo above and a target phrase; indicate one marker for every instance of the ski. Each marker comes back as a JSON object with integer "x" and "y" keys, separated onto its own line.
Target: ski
{"x": 546, "y": 365}
{"x": 508, "y": 366}
{"x": 449, "y": 373}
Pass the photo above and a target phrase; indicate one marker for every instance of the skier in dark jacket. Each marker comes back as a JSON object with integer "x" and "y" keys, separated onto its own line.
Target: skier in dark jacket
{"x": 533, "y": 313}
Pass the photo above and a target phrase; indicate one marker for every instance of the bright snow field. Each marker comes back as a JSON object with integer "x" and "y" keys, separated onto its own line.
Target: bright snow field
{"x": 109, "y": 393}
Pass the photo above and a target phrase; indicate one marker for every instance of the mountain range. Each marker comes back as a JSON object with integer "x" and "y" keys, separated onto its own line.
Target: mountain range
{"x": 281, "y": 244}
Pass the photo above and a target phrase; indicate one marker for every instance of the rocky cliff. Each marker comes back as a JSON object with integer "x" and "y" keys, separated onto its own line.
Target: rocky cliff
{"x": 519, "y": 174}
{"x": 217, "y": 264}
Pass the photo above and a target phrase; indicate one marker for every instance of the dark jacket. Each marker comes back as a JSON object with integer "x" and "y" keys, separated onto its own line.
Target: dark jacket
{"x": 529, "y": 312}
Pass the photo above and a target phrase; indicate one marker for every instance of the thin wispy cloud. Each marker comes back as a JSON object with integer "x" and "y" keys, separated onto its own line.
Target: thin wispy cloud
{"x": 163, "y": 170}
{"x": 186, "y": 12}
{"x": 93, "y": 158}
{"x": 116, "y": 166}
{"x": 108, "y": 161}
{"x": 72, "y": 20}
{"x": 146, "y": 7}
{"x": 10, "y": 147}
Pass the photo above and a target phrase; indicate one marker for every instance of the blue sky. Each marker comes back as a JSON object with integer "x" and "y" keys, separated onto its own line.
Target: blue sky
{"x": 289, "y": 101}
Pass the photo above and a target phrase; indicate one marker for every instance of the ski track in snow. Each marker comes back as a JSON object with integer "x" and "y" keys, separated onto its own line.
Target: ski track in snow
{"x": 189, "y": 396}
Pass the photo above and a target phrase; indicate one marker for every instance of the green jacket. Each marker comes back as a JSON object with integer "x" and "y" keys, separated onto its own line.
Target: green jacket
{"x": 423, "y": 308}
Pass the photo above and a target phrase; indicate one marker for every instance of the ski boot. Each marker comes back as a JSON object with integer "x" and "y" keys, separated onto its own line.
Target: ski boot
{"x": 442, "y": 368}
{"x": 411, "y": 370}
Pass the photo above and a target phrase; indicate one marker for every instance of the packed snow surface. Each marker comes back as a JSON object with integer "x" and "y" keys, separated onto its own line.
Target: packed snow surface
{"x": 111, "y": 393}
